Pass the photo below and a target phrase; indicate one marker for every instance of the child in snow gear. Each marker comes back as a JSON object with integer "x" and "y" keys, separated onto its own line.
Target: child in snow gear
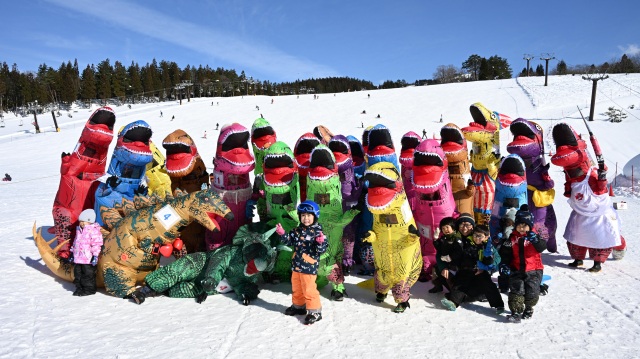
{"x": 448, "y": 252}
{"x": 506, "y": 228}
{"x": 85, "y": 251}
{"x": 474, "y": 277}
{"x": 308, "y": 243}
{"x": 522, "y": 260}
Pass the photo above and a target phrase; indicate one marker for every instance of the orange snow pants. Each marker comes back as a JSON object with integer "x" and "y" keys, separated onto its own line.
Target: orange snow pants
{"x": 305, "y": 291}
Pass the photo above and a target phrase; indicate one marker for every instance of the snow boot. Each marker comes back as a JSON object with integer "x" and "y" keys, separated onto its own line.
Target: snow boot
{"x": 528, "y": 313}
{"x": 293, "y": 310}
{"x": 338, "y": 293}
{"x": 514, "y": 318}
{"x": 312, "y": 318}
{"x": 401, "y": 307}
{"x": 576, "y": 263}
{"x": 436, "y": 289}
{"x": 142, "y": 293}
{"x": 380, "y": 297}
{"x": 544, "y": 289}
{"x": 596, "y": 267}
{"x": 499, "y": 310}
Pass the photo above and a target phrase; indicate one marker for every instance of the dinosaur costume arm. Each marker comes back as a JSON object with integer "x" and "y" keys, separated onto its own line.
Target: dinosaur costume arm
{"x": 370, "y": 238}
{"x": 216, "y": 268}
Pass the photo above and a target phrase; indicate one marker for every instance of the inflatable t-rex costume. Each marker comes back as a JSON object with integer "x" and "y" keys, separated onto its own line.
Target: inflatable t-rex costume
{"x": 409, "y": 142}
{"x": 394, "y": 236}
{"x": 323, "y": 187}
{"x": 262, "y": 137}
{"x": 593, "y": 224}
{"x": 484, "y": 134}
{"x": 357, "y": 154}
{"x": 455, "y": 148}
{"x": 197, "y": 275}
{"x": 79, "y": 171}
{"x": 158, "y": 180}
{"x": 127, "y": 168}
{"x": 188, "y": 173}
{"x": 351, "y": 189}
{"x": 380, "y": 146}
{"x": 511, "y": 190}
{"x": 131, "y": 247}
{"x": 434, "y": 198}
{"x": 302, "y": 152}
{"x": 282, "y": 194}
{"x": 528, "y": 144}
{"x": 231, "y": 180}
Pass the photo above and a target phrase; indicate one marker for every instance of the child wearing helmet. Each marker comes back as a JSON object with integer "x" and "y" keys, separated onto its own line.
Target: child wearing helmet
{"x": 308, "y": 244}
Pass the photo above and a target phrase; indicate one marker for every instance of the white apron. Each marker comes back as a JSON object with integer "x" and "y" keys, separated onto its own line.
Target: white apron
{"x": 593, "y": 223}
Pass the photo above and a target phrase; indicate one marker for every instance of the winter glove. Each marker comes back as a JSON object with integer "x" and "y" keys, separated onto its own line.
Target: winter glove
{"x": 487, "y": 260}
{"x": 250, "y": 207}
{"x": 504, "y": 269}
{"x": 365, "y": 236}
{"x": 532, "y": 237}
{"x": 413, "y": 230}
{"x": 113, "y": 181}
{"x": 201, "y": 297}
{"x": 320, "y": 238}
{"x": 279, "y": 229}
{"x": 94, "y": 260}
{"x": 436, "y": 233}
{"x": 602, "y": 174}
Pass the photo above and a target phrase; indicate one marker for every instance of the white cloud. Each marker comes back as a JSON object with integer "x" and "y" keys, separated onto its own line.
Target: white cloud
{"x": 212, "y": 42}
{"x": 630, "y": 50}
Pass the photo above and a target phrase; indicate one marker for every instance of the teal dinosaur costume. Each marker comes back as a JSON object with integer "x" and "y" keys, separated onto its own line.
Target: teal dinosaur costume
{"x": 324, "y": 188}
{"x": 281, "y": 192}
{"x": 197, "y": 275}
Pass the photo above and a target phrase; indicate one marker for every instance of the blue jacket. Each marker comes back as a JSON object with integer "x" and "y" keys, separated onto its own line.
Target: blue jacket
{"x": 306, "y": 250}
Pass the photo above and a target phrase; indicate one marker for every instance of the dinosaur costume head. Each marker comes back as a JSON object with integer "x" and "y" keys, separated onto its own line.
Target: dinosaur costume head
{"x": 429, "y": 167}
{"x": 232, "y": 153}
{"x": 182, "y": 154}
{"x": 357, "y": 151}
{"x": 453, "y": 143}
{"x": 409, "y": 142}
{"x": 339, "y": 146}
{"x": 158, "y": 180}
{"x": 132, "y": 151}
{"x": 262, "y": 137}
{"x": 257, "y": 253}
{"x": 527, "y": 139}
{"x": 385, "y": 186}
{"x": 302, "y": 151}
{"x": 96, "y": 135}
{"x": 279, "y": 165}
{"x": 512, "y": 172}
{"x": 381, "y": 147}
{"x": 485, "y": 127}
{"x": 571, "y": 152}
{"x": 322, "y": 164}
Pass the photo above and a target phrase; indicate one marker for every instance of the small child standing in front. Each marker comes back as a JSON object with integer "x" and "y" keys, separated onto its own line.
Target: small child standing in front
{"x": 448, "y": 252}
{"x": 85, "y": 250}
{"x": 308, "y": 244}
{"x": 525, "y": 273}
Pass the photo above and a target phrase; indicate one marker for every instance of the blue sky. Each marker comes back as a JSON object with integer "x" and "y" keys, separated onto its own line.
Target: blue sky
{"x": 286, "y": 40}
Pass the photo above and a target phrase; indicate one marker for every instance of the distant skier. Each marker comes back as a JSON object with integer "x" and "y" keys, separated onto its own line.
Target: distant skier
{"x": 257, "y": 107}
{"x": 6, "y": 178}
{"x": 368, "y": 95}
{"x": 440, "y": 118}
{"x": 424, "y": 133}
{"x": 160, "y": 113}
{"x": 173, "y": 117}
{"x": 378, "y": 116}
{"x": 205, "y": 135}
{"x": 217, "y": 126}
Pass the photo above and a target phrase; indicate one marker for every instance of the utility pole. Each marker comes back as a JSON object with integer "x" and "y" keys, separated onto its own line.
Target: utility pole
{"x": 35, "y": 117}
{"x": 528, "y": 58}
{"x": 595, "y": 78}
{"x": 546, "y": 58}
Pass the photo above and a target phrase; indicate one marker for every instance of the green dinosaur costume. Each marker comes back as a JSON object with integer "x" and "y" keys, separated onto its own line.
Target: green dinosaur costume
{"x": 282, "y": 191}
{"x": 239, "y": 263}
{"x": 262, "y": 137}
{"x": 324, "y": 188}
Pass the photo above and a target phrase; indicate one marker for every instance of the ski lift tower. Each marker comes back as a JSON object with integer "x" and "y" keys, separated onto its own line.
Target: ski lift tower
{"x": 595, "y": 78}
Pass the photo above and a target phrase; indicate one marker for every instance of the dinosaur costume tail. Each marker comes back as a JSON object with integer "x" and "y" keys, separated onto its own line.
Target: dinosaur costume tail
{"x": 60, "y": 269}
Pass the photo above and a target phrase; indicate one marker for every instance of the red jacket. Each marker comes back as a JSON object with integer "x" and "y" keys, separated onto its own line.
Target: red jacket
{"x": 522, "y": 248}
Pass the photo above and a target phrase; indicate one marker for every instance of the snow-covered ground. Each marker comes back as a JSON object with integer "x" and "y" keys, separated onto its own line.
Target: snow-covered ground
{"x": 583, "y": 315}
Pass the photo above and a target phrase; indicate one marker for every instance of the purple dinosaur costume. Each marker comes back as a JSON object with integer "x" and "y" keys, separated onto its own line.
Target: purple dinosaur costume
{"x": 433, "y": 200}
{"x": 231, "y": 181}
{"x": 409, "y": 142}
{"x": 528, "y": 144}
{"x": 351, "y": 189}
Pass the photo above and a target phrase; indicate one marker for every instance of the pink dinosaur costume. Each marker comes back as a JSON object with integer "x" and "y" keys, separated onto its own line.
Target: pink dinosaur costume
{"x": 409, "y": 142}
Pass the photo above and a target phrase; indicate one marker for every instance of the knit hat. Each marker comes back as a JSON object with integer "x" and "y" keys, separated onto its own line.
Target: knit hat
{"x": 88, "y": 215}
{"x": 465, "y": 217}
{"x": 524, "y": 216}
{"x": 511, "y": 214}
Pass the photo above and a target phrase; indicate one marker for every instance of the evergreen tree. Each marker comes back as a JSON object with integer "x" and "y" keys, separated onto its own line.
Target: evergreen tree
{"x": 88, "y": 84}
{"x": 103, "y": 80}
{"x": 472, "y": 66}
{"x": 539, "y": 70}
{"x": 485, "y": 70}
{"x": 119, "y": 80}
{"x": 561, "y": 68}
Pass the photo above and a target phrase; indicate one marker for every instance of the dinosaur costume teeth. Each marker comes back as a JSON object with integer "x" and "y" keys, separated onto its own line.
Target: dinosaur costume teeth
{"x": 302, "y": 153}
{"x": 322, "y": 164}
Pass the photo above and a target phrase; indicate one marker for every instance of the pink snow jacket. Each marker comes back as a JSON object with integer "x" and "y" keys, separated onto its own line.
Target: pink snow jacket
{"x": 87, "y": 244}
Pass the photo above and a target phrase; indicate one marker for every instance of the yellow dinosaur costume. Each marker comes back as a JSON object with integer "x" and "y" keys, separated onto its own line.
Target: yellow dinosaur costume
{"x": 394, "y": 237}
